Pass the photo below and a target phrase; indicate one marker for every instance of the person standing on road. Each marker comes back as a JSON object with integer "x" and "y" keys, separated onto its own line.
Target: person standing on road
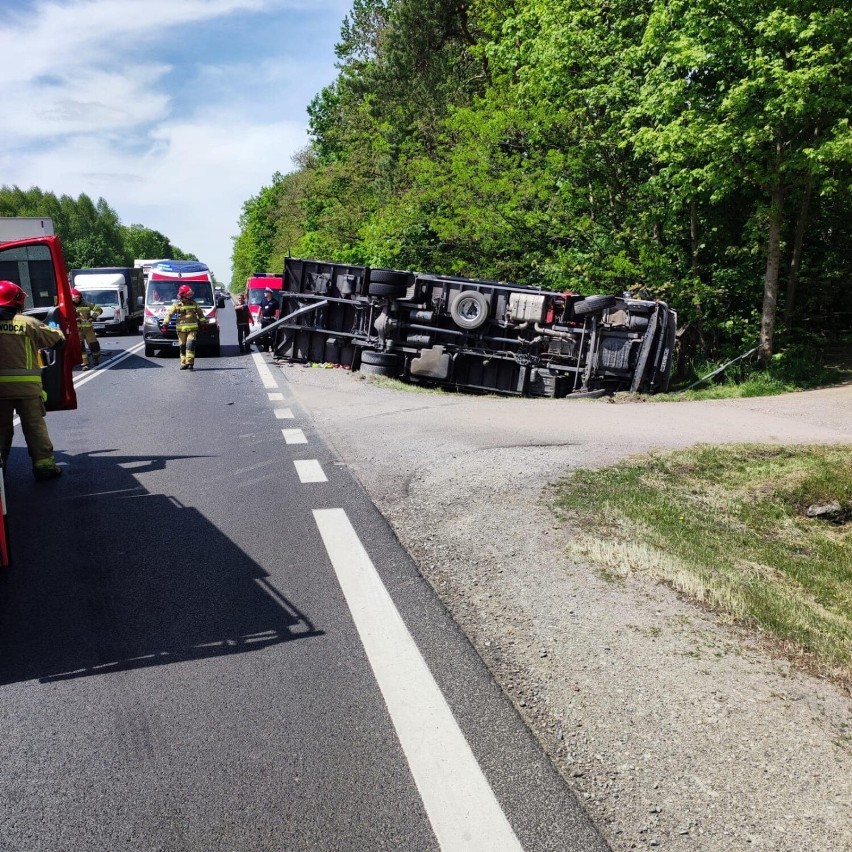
{"x": 268, "y": 314}
{"x": 244, "y": 320}
{"x": 86, "y": 314}
{"x": 20, "y": 380}
{"x": 189, "y": 315}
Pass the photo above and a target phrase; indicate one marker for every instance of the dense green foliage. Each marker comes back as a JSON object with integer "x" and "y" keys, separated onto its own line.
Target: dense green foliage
{"x": 695, "y": 152}
{"x": 91, "y": 233}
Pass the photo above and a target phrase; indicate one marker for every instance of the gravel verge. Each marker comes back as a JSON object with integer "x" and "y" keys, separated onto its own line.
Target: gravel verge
{"x": 677, "y": 731}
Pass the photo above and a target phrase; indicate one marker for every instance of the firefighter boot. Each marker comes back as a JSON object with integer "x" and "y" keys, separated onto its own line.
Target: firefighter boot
{"x": 45, "y": 469}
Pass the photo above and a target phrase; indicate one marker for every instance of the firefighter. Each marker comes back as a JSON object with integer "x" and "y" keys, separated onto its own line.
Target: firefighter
{"x": 86, "y": 314}
{"x": 189, "y": 316}
{"x": 20, "y": 380}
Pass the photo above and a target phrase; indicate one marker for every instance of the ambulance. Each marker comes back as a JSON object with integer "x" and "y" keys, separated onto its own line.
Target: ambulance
{"x": 161, "y": 293}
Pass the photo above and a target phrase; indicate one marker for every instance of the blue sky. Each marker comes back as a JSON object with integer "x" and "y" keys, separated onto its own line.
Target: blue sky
{"x": 174, "y": 111}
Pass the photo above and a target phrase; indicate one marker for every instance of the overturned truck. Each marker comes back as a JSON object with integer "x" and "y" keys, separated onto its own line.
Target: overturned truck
{"x": 472, "y": 334}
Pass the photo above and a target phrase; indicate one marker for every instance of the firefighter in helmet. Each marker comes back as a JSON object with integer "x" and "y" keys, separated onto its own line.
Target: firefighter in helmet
{"x": 189, "y": 316}
{"x": 21, "y": 337}
{"x": 86, "y": 314}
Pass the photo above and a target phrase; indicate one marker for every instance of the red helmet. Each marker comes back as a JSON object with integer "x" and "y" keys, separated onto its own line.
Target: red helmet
{"x": 184, "y": 290}
{"x": 11, "y": 295}
{"x": 75, "y": 292}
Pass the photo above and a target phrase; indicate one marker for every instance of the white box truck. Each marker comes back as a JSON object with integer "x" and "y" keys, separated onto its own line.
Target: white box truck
{"x": 119, "y": 291}
{"x": 24, "y": 227}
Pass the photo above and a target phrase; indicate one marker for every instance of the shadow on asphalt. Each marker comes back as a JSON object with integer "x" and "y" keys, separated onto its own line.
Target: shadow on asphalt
{"x": 111, "y": 577}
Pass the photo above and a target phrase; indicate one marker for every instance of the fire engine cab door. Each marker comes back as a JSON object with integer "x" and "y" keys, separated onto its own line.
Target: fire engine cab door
{"x": 37, "y": 265}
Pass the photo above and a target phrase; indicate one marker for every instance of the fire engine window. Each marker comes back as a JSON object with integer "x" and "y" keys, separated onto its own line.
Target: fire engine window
{"x": 31, "y": 267}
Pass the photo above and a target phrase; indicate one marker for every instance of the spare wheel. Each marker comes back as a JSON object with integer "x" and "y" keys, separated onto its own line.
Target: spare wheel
{"x": 469, "y": 309}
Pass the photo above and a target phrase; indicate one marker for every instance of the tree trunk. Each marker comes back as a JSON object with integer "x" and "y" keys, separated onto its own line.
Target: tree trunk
{"x": 796, "y": 258}
{"x": 693, "y": 235}
{"x": 770, "y": 280}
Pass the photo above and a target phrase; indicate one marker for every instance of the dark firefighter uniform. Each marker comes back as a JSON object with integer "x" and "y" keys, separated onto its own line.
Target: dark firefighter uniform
{"x": 189, "y": 315}
{"x": 20, "y": 389}
{"x": 86, "y": 314}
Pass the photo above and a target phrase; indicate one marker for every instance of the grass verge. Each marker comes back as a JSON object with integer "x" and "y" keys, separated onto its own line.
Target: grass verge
{"x": 795, "y": 368}
{"x": 727, "y": 527}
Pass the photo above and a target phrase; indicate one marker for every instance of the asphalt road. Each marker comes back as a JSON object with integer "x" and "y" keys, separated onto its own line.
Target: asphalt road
{"x": 210, "y": 639}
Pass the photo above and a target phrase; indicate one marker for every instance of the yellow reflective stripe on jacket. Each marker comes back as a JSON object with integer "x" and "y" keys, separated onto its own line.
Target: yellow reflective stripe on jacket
{"x": 23, "y": 377}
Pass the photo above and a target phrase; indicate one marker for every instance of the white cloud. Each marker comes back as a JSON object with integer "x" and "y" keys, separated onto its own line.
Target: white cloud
{"x": 90, "y": 105}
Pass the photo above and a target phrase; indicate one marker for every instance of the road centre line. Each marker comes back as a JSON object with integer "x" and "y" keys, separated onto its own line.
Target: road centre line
{"x": 80, "y": 379}
{"x": 309, "y": 470}
{"x": 106, "y": 364}
{"x": 265, "y": 373}
{"x": 461, "y": 806}
{"x": 294, "y": 436}
{"x": 284, "y": 413}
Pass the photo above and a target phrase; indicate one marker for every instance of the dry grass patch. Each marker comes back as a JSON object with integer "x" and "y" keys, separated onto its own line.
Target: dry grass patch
{"x": 727, "y": 527}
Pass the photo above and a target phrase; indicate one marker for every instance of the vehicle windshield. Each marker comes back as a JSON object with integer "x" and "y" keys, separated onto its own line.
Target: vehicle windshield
{"x": 165, "y": 292}
{"x": 255, "y": 296}
{"x": 105, "y": 298}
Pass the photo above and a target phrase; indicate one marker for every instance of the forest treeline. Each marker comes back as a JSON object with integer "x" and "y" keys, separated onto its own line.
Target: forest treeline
{"x": 695, "y": 151}
{"x": 91, "y": 232}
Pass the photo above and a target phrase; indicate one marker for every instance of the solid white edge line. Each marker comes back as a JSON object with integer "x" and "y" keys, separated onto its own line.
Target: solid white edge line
{"x": 294, "y": 436}
{"x": 462, "y": 808}
{"x": 263, "y": 368}
{"x": 309, "y": 470}
{"x": 283, "y": 413}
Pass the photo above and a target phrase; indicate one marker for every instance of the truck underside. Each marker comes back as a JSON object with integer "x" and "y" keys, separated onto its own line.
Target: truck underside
{"x": 472, "y": 334}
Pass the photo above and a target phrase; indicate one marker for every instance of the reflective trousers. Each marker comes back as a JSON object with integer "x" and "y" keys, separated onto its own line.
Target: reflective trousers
{"x": 89, "y": 341}
{"x": 187, "y": 345}
{"x": 31, "y": 411}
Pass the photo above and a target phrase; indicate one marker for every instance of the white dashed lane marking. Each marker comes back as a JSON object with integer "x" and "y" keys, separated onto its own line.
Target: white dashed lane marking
{"x": 294, "y": 436}
{"x": 265, "y": 373}
{"x": 276, "y": 396}
{"x": 310, "y": 470}
{"x": 462, "y": 808}
{"x": 284, "y": 413}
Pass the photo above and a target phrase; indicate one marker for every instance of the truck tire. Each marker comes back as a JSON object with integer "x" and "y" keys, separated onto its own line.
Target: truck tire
{"x": 593, "y": 305}
{"x": 379, "y": 363}
{"x": 469, "y": 309}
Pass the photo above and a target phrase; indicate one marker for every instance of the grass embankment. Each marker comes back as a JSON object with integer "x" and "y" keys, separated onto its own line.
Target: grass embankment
{"x": 793, "y": 369}
{"x": 727, "y": 526}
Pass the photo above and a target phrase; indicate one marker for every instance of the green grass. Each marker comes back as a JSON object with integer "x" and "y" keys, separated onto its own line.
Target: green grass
{"x": 726, "y": 526}
{"x": 795, "y": 368}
